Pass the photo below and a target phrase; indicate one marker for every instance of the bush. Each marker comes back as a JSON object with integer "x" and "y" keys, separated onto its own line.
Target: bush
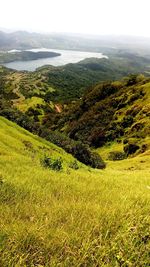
{"x": 125, "y": 141}
{"x": 86, "y": 156}
{"x": 130, "y": 149}
{"x": 77, "y": 149}
{"x": 74, "y": 165}
{"x": 127, "y": 121}
{"x": 53, "y": 164}
{"x": 144, "y": 147}
{"x": 117, "y": 155}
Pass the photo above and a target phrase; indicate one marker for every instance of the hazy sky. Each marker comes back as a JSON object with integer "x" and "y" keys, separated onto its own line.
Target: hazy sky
{"x": 129, "y": 17}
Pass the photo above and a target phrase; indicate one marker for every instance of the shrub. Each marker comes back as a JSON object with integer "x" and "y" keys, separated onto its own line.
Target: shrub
{"x": 130, "y": 149}
{"x": 74, "y": 165}
{"x": 125, "y": 141}
{"x": 144, "y": 147}
{"x": 54, "y": 164}
{"x": 77, "y": 149}
{"x": 84, "y": 154}
{"x": 127, "y": 121}
{"x": 97, "y": 138}
{"x": 131, "y": 79}
{"x": 117, "y": 155}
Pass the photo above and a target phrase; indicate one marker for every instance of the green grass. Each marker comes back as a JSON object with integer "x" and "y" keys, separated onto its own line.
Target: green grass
{"x": 70, "y": 218}
{"x": 30, "y": 103}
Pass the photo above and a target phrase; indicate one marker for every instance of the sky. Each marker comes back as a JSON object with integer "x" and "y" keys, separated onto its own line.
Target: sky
{"x": 126, "y": 17}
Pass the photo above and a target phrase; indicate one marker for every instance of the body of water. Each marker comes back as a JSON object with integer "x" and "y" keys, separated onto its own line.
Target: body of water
{"x": 67, "y": 56}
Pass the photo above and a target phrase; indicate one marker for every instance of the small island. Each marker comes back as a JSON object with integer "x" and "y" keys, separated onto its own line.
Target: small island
{"x": 6, "y": 57}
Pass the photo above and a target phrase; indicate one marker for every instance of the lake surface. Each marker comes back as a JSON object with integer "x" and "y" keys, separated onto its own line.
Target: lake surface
{"x": 67, "y": 56}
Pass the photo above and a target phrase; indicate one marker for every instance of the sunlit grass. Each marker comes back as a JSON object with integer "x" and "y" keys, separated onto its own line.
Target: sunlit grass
{"x": 30, "y": 103}
{"x": 70, "y": 218}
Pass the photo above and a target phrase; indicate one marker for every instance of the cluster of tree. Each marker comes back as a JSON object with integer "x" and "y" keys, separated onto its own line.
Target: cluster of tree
{"x": 6, "y": 57}
{"x": 105, "y": 113}
{"x": 72, "y": 80}
{"x": 79, "y": 150}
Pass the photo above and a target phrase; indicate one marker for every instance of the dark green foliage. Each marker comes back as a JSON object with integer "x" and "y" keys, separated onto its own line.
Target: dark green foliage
{"x": 21, "y": 119}
{"x": 105, "y": 113}
{"x": 51, "y": 95}
{"x": 134, "y": 110}
{"x": 25, "y": 56}
{"x": 130, "y": 148}
{"x": 79, "y": 150}
{"x": 74, "y": 165}
{"x": 143, "y": 148}
{"x": 72, "y": 80}
{"x": 125, "y": 141}
{"x": 137, "y": 127}
{"x": 70, "y": 146}
{"x": 127, "y": 121}
{"x": 132, "y": 79}
{"x": 83, "y": 154}
{"x": 97, "y": 138}
{"x": 33, "y": 112}
{"x": 53, "y": 164}
{"x": 117, "y": 155}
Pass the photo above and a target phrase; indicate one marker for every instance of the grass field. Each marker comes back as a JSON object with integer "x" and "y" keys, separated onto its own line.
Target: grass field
{"x": 81, "y": 217}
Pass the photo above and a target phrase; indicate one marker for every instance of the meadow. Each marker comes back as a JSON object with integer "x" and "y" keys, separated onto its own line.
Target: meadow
{"x": 83, "y": 217}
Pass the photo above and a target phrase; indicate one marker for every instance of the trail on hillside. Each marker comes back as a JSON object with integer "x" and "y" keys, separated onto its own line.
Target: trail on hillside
{"x": 58, "y": 108}
{"x": 16, "y": 78}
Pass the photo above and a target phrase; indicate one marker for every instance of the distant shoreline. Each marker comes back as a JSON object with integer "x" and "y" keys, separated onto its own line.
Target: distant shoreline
{"x": 66, "y": 57}
{"x": 8, "y": 57}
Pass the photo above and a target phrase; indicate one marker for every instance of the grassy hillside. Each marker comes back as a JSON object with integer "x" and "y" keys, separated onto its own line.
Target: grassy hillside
{"x": 72, "y": 217}
{"x": 66, "y": 83}
{"x": 72, "y": 80}
{"x": 111, "y": 112}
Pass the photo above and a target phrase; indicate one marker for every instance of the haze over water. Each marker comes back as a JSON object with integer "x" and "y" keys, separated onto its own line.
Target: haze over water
{"x": 67, "y": 56}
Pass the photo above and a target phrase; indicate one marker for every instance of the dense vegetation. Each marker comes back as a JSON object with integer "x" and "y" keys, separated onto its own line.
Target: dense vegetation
{"x": 55, "y": 210}
{"x": 79, "y": 150}
{"x": 66, "y": 83}
{"x": 71, "y": 80}
{"x": 110, "y": 111}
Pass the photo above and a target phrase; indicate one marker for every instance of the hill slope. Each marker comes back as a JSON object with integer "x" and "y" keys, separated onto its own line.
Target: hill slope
{"x": 111, "y": 111}
{"x": 72, "y": 217}
{"x": 66, "y": 83}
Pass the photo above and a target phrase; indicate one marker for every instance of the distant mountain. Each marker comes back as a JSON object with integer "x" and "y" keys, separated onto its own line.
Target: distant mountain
{"x": 70, "y": 81}
{"x": 26, "y": 40}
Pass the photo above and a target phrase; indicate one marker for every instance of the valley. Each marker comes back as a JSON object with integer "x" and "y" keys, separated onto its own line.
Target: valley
{"x": 75, "y": 163}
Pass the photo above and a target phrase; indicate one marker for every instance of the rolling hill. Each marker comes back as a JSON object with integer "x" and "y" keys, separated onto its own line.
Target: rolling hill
{"x": 110, "y": 112}
{"x": 80, "y": 217}
{"x": 61, "y": 204}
